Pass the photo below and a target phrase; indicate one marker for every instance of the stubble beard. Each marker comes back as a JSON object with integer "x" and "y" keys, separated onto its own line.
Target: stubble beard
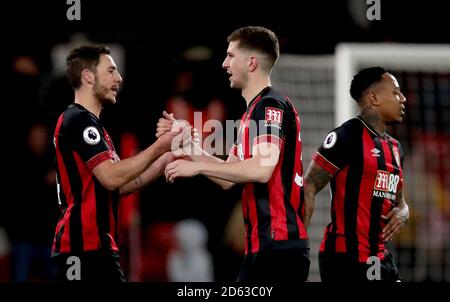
{"x": 101, "y": 94}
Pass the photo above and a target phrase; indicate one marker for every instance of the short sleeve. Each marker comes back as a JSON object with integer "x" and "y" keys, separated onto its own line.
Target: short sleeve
{"x": 88, "y": 140}
{"x": 268, "y": 120}
{"x": 334, "y": 153}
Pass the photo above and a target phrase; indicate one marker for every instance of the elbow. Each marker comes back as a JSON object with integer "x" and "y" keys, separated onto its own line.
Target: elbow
{"x": 111, "y": 184}
{"x": 226, "y": 186}
{"x": 111, "y": 187}
{"x": 123, "y": 192}
{"x": 264, "y": 176}
{"x": 264, "y": 179}
{"x": 109, "y": 176}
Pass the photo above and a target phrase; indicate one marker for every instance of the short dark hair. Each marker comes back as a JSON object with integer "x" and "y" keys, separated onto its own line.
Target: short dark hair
{"x": 81, "y": 58}
{"x": 364, "y": 79}
{"x": 260, "y": 39}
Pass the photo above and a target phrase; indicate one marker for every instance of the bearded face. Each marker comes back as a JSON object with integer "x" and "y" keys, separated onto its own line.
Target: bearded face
{"x": 107, "y": 81}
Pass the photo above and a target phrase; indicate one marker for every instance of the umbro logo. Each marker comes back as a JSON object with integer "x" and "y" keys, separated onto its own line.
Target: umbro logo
{"x": 375, "y": 152}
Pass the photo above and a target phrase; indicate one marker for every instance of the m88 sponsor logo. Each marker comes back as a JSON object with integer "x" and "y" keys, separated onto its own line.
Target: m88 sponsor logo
{"x": 386, "y": 184}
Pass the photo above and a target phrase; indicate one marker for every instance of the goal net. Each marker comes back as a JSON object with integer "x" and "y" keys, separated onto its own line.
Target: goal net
{"x": 309, "y": 82}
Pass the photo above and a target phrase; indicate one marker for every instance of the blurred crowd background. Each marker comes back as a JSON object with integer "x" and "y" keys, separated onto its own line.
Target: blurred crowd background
{"x": 170, "y": 58}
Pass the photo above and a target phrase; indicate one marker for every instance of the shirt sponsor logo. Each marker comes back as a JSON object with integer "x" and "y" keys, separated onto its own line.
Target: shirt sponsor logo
{"x": 274, "y": 115}
{"x": 386, "y": 184}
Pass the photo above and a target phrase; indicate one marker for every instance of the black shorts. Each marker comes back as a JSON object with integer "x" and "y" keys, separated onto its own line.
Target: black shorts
{"x": 340, "y": 267}
{"x": 95, "y": 266}
{"x": 276, "y": 265}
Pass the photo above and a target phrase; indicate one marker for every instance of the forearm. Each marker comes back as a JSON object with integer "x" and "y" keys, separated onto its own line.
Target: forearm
{"x": 126, "y": 170}
{"x": 149, "y": 175}
{"x": 245, "y": 171}
{"x": 309, "y": 206}
{"x": 255, "y": 169}
{"x": 201, "y": 155}
{"x": 316, "y": 179}
{"x": 224, "y": 184}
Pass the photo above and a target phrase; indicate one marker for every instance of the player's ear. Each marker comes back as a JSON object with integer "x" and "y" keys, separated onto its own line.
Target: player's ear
{"x": 252, "y": 63}
{"x": 88, "y": 76}
{"x": 373, "y": 98}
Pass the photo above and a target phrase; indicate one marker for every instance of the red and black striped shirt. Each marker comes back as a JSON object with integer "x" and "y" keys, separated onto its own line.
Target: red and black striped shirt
{"x": 367, "y": 174}
{"x": 89, "y": 211}
{"x": 273, "y": 211}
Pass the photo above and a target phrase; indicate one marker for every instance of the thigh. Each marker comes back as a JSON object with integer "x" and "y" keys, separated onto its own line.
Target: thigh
{"x": 59, "y": 268}
{"x": 245, "y": 271}
{"x": 281, "y": 265}
{"x": 341, "y": 268}
{"x": 103, "y": 266}
{"x": 389, "y": 270}
{"x": 330, "y": 268}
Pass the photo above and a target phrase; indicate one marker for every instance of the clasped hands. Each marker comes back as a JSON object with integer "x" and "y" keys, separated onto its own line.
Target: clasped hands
{"x": 182, "y": 145}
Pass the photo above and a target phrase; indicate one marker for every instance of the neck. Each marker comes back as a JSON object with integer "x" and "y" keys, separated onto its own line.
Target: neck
{"x": 86, "y": 99}
{"x": 371, "y": 117}
{"x": 254, "y": 87}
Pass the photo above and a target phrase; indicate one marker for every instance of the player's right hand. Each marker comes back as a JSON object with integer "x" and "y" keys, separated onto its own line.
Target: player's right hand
{"x": 165, "y": 124}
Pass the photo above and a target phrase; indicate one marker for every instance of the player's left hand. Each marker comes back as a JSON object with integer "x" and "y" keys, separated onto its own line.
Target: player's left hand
{"x": 395, "y": 221}
{"x": 180, "y": 168}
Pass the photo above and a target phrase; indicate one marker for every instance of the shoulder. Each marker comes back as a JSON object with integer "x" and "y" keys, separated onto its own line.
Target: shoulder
{"x": 272, "y": 99}
{"x": 274, "y": 96}
{"x": 351, "y": 125}
{"x": 348, "y": 128}
{"x": 79, "y": 123}
{"x": 342, "y": 135}
{"x": 75, "y": 117}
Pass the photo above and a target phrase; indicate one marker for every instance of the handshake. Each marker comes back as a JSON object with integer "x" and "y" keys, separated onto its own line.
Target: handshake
{"x": 186, "y": 140}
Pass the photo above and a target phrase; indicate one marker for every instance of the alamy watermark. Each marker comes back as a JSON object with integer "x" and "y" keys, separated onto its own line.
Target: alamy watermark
{"x": 74, "y": 270}
{"x": 374, "y": 10}
{"x": 374, "y": 271}
{"x": 220, "y": 141}
{"x": 74, "y": 10}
